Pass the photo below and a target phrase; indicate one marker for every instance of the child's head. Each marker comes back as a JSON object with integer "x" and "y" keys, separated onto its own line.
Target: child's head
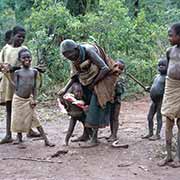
{"x": 162, "y": 66}
{"x": 174, "y": 34}
{"x": 119, "y": 66}
{"x": 8, "y": 37}
{"x": 77, "y": 90}
{"x": 18, "y": 34}
{"x": 24, "y": 56}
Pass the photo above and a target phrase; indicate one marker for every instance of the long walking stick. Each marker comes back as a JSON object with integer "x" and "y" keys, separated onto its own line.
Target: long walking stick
{"x": 137, "y": 81}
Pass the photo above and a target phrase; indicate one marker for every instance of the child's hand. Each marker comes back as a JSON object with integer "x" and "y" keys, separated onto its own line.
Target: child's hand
{"x": 5, "y": 68}
{"x": 33, "y": 103}
{"x": 147, "y": 88}
{"x": 85, "y": 108}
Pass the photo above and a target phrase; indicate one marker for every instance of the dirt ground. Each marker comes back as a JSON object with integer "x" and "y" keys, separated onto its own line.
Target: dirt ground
{"x": 103, "y": 162}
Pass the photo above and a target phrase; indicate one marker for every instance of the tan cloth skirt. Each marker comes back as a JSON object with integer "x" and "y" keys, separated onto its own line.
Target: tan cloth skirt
{"x": 171, "y": 100}
{"x": 23, "y": 115}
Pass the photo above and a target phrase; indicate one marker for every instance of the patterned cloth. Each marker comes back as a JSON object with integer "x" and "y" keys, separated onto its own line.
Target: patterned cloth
{"x": 8, "y": 55}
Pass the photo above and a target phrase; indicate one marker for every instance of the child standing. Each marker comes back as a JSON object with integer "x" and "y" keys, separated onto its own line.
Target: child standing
{"x": 156, "y": 94}
{"x": 24, "y": 99}
{"x": 75, "y": 106}
{"x": 171, "y": 99}
{"x": 116, "y": 106}
{"x": 9, "y": 59}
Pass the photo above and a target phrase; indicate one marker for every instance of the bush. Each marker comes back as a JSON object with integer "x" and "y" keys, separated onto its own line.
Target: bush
{"x": 140, "y": 40}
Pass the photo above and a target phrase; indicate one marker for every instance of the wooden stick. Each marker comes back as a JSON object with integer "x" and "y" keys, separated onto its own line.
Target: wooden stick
{"x": 31, "y": 159}
{"x": 58, "y": 153}
{"x": 133, "y": 78}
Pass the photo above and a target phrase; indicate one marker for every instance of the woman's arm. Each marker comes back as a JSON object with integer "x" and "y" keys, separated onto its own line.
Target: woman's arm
{"x": 67, "y": 86}
{"x": 96, "y": 59}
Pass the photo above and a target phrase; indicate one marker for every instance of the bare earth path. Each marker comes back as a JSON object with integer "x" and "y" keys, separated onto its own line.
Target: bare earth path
{"x": 138, "y": 162}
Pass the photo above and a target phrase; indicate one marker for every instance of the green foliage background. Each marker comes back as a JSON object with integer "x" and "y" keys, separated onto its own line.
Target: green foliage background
{"x": 139, "y": 40}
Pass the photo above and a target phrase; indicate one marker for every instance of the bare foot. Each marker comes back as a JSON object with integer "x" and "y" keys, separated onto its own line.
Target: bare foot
{"x": 17, "y": 141}
{"x": 111, "y": 138}
{"x": 49, "y": 144}
{"x": 80, "y": 139}
{"x": 6, "y": 140}
{"x": 89, "y": 144}
{"x": 175, "y": 164}
{"x": 33, "y": 134}
{"x": 21, "y": 146}
{"x": 147, "y": 136}
{"x": 165, "y": 162}
{"x": 154, "y": 138}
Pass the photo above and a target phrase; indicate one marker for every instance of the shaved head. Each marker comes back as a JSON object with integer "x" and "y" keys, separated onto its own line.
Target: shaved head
{"x": 68, "y": 45}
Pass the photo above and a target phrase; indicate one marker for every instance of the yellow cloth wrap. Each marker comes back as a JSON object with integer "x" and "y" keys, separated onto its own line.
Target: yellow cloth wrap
{"x": 8, "y": 55}
{"x": 23, "y": 115}
{"x": 171, "y": 100}
{"x": 5, "y": 92}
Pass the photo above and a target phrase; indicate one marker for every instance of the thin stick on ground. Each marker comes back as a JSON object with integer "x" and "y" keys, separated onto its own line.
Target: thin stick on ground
{"x": 31, "y": 159}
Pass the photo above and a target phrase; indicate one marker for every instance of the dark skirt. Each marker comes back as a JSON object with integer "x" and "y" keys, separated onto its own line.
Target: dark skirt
{"x": 97, "y": 117}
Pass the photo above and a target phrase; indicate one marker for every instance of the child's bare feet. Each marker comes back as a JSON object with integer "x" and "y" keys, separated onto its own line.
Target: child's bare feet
{"x": 111, "y": 138}
{"x": 21, "y": 146}
{"x": 165, "y": 162}
{"x": 147, "y": 136}
{"x": 47, "y": 143}
{"x": 175, "y": 164}
{"x": 80, "y": 139}
{"x": 89, "y": 144}
{"x": 155, "y": 137}
{"x": 33, "y": 134}
{"x": 17, "y": 141}
{"x": 6, "y": 140}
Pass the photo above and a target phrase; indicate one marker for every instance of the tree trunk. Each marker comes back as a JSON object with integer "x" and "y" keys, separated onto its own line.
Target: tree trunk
{"x": 78, "y": 7}
{"x": 136, "y": 8}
